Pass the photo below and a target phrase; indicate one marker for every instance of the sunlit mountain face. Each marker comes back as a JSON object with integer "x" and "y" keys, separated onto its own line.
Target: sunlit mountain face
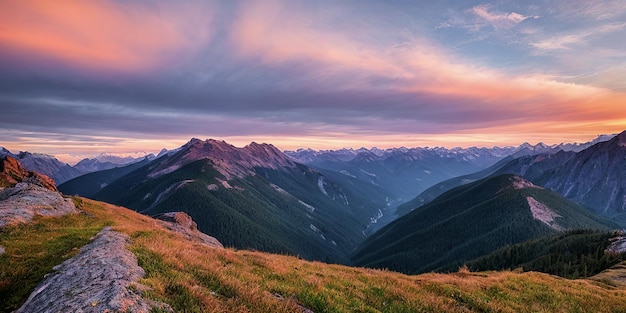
{"x": 85, "y": 78}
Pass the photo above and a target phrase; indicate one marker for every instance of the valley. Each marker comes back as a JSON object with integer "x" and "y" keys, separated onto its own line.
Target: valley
{"x": 285, "y": 223}
{"x": 191, "y": 277}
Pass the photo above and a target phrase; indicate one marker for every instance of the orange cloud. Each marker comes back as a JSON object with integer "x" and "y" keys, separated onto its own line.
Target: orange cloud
{"x": 95, "y": 34}
{"x": 277, "y": 33}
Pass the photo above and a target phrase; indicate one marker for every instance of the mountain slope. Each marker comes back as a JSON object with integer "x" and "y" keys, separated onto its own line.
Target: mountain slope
{"x": 95, "y": 165}
{"x": 89, "y": 184}
{"x": 191, "y": 277}
{"x": 12, "y": 172}
{"x": 402, "y": 172}
{"x": 44, "y": 164}
{"x": 594, "y": 178}
{"x": 469, "y": 221}
{"x": 251, "y": 197}
{"x": 574, "y": 254}
{"x": 535, "y": 163}
{"x": 436, "y": 190}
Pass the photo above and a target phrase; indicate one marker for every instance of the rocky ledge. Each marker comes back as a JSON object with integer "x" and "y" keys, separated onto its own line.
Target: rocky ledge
{"x": 182, "y": 223}
{"x": 21, "y": 203}
{"x": 12, "y": 172}
{"x": 101, "y": 278}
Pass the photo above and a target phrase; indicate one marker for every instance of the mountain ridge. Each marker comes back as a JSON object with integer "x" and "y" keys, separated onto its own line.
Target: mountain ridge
{"x": 501, "y": 210}
{"x": 12, "y": 172}
{"x": 252, "y": 197}
{"x": 308, "y": 155}
{"x": 230, "y": 161}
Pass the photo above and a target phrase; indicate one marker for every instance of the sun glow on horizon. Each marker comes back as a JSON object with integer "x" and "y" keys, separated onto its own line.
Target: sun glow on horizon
{"x": 72, "y": 153}
{"x": 121, "y": 77}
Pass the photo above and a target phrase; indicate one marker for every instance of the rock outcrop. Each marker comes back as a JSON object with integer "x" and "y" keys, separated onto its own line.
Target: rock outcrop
{"x": 182, "y": 223}
{"x": 12, "y": 172}
{"x": 21, "y": 203}
{"x": 44, "y": 164}
{"x": 101, "y": 278}
{"x": 24, "y": 194}
{"x": 618, "y": 244}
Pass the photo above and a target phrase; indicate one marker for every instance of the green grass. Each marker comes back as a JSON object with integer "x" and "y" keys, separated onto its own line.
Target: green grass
{"x": 191, "y": 277}
{"x": 33, "y": 249}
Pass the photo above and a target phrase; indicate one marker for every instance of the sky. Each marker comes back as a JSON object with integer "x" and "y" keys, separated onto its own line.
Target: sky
{"x": 79, "y": 78}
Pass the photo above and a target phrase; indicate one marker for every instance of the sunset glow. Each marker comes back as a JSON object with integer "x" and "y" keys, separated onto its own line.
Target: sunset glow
{"x": 84, "y": 77}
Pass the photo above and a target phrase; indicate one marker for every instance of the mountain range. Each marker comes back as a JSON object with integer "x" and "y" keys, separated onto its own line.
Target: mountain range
{"x": 408, "y": 174}
{"x": 61, "y": 172}
{"x": 470, "y": 221}
{"x": 592, "y": 177}
{"x": 533, "y": 207}
{"x": 295, "y": 208}
{"x": 253, "y": 197}
{"x": 89, "y": 184}
{"x": 98, "y": 257}
{"x": 44, "y": 164}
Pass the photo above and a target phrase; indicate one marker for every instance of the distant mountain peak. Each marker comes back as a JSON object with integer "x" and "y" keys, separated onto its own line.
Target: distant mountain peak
{"x": 122, "y": 159}
{"x": 24, "y": 154}
{"x": 227, "y": 159}
{"x": 365, "y": 156}
{"x": 44, "y": 164}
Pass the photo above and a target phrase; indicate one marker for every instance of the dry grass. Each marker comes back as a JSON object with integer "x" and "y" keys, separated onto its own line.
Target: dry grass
{"x": 615, "y": 276}
{"x": 196, "y": 278}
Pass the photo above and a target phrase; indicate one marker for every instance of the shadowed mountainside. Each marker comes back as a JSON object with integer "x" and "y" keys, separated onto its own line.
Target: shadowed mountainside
{"x": 470, "y": 221}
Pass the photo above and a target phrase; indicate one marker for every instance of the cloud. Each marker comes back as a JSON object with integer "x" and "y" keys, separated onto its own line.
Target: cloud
{"x": 101, "y": 34}
{"x": 594, "y": 10}
{"x": 416, "y": 65}
{"x": 559, "y": 43}
{"x": 286, "y": 76}
{"x": 278, "y": 71}
{"x": 496, "y": 19}
{"x": 573, "y": 40}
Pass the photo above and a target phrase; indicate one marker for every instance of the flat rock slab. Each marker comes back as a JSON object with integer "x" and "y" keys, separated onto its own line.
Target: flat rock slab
{"x": 618, "y": 245}
{"x": 102, "y": 277}
{"x": 21, "y": 203}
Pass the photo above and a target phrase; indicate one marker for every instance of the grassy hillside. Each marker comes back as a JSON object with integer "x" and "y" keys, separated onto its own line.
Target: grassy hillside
{"x": 468, "y": 222}
{"x": 31, "y": 250}
{"x": 195, "y": 278}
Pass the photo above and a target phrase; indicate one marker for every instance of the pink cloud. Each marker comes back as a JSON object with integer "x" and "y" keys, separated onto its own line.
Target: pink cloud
{"x": 498, "y": 19}
{"x": 277, "y": 34}
{"x": 97, "y": 34}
